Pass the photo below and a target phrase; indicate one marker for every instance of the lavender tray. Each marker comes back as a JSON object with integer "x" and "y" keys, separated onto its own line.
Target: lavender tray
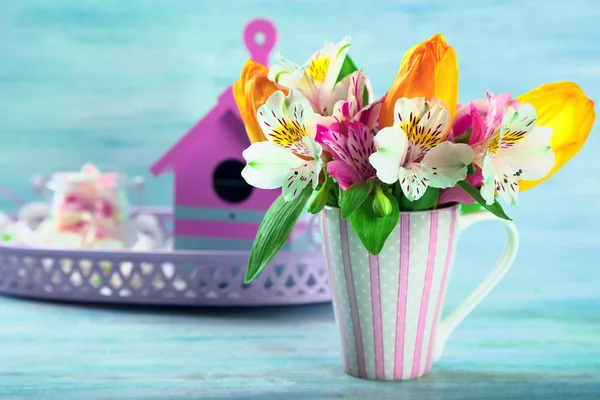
{"x": 203, "y": 278}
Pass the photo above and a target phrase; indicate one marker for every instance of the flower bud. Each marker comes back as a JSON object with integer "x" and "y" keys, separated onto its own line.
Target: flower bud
{"x": 318, "y": 200}
{"x": 381, "y": 204}
{"x": 429, "y": 69}
{"x": 250, "y": 92}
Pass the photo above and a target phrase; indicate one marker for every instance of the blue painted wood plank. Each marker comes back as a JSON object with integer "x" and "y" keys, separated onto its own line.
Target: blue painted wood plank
{"x": 536, "y": 337}
{"x": 218, "y": 214}
{"x": 206, "y": 243}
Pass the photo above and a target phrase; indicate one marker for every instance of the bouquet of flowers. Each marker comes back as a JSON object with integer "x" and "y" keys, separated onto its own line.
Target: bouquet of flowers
{"x": 318, "y": 132}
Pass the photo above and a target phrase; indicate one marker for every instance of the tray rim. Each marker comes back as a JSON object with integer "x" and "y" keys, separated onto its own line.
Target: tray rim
{"x": 311, "y": 258}
{"x": 131, "y": 255}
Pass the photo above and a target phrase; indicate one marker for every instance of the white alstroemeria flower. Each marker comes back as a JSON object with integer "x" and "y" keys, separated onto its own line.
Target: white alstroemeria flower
{"x": 516, "y": 150}
{"x": 352, "y": 107}
{"x": 317, "y": 79}
{"x": 290, "y": 158}
{"x": 414, "y": 152}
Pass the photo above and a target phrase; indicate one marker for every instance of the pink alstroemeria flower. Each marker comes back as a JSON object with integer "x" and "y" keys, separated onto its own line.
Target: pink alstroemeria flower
{"x": 350, "y": 144}
{"x": 348, "y": 134}
{"x": 483, "y": 116}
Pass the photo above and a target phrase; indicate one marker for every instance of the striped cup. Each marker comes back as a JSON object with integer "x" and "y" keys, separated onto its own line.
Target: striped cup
{"x": 388, "y": 306}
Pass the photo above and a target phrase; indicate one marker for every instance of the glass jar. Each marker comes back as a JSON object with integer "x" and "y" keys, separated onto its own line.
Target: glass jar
{"x": 91, "y": 205}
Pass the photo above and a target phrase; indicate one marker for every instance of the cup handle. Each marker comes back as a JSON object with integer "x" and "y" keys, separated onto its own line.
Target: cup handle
{"x": 449, "y": 323}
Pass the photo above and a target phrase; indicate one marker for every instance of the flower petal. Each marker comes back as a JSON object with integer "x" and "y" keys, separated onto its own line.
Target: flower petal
{"x": 369, "y": 115}
{"x": 563, "y": 107}
{"x": 352, "y": 147}
{"x": 250, "y": 92}
{"x": 430, "y": 130}
{"x": 488, "y": 185}
{"x": 498, "y": 105}
{"x": 336, "y": 142}
{"x": 463, "y": 120}
{"x": 532, "y": 157}
{"x": 298, "y": 179}
{"x": 337, "y": 56}
{"x": 498, "y": 178}
{"x": 408, "y": 112}
{"x": 268, "y": 165}
{"x": 357, "y": 88}
{"x": 516, "y": 124}
{"x": 286, "y": 120}
{"x": 361, "y": 145}
{"x": 429, "y": 69}
{"x": 424, "y": 123}
{"x": 369, "y": 89}
{"x": 392, "y": 145}
{"x": 316, "y": 151}
{"x": 347, "y": 96}
{"x": 313, "y": 147}
{"x": 329, "y": 100}
{"x": 446, "y": 164}
{"x": 290, "y": 75}
{"x": 478, "y": 126}
{"x": 286, "y": 73}
{"x": 343, "y": 173}
{"x": 412, "y": 181}
{"x": 454, "y": 195}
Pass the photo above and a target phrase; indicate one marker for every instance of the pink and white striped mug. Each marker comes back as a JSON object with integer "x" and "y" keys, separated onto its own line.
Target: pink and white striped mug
{"x": 388, "y": 306}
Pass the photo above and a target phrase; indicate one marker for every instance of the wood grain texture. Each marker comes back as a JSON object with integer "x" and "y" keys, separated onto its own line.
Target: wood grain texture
{"x": 526, "y": 341}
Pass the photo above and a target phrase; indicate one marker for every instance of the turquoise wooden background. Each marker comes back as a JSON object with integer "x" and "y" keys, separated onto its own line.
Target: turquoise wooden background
{"x": 118, "y": 82}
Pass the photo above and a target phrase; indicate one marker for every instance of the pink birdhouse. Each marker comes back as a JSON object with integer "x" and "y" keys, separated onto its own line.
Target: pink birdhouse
{"x": 215, "y": 209}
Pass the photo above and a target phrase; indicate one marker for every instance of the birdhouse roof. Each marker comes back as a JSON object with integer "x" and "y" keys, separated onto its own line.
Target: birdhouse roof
{"x": 186, "y": 145}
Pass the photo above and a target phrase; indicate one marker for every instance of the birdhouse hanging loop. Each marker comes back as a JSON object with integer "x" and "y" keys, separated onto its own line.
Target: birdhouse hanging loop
{"x": 260, "y": 37}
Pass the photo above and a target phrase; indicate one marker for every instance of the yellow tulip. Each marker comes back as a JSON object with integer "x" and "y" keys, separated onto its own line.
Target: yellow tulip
{"x": 563, "y": 107}
{"x": 429, "y": 69}
{"x": 250, "y": 92}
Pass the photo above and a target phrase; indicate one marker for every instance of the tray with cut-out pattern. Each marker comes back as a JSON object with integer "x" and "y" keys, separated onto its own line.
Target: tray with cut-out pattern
{"x": 187, "y": 278}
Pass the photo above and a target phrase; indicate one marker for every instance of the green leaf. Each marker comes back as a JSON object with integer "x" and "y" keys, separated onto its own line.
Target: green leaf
{"x": 464, "y": 138}
{"x": 469, "y": 208}
{"x": 348, "y": 67}
{"x": 274, "y": 231}
{"x": 495, "y": 208}
{"x": 365, "y": 97}
{"x": 354, "y": 197}
{"x": 318, "y": 200}
{"x": 333, "y": 197}
{"x": 397, "y": 190}
{"x": 471, "y": 169}
{"x": 371, "y": 229}
{"x": 428, "y": 201}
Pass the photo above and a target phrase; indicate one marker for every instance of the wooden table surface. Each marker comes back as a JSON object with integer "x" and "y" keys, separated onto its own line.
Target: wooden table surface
{"x": 537, "y": 336}
{"x": 57, "y": 351}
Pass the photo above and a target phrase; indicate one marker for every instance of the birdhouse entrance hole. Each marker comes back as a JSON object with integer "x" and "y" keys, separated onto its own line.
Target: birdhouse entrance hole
{"x": 228, "y": 182}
